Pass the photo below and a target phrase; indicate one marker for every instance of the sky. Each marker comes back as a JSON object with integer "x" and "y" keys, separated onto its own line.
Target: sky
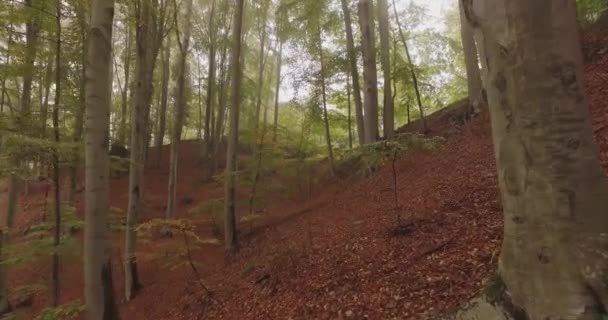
{"x": 436, "y": 10}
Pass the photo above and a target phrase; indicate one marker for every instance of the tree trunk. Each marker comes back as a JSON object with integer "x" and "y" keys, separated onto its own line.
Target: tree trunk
{"x": 180, "y": 107}
{"x": 277, "y": 91}
{"x": 32, "y": 32}
{"x": 56, "y": 177}
{"x": 354, "y": 71}
{"x": 164, "y": 96}
{"x": 330, "y": 149}
{"x": 385, "y": 48}
{"x": 99, "y": 294}
{"x": 554, "y": 193}
{"x": 11, "y": 209}
{"x": 211, "y": 81}
{"x": 370, "y": 77}
{"x": 261, "y": 66}
{"x": 474, "y": 84}
{"x": 122, "y": 134}
{"x": 349, "y": 112}
{"x": 230, "y": 231}
{"x": 412, "y": 71}
{"x": 44, "y": 108}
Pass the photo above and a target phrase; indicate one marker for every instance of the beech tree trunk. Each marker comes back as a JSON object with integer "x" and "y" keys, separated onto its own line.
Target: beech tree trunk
{"x": 164, "y": 97}
{"x": 471, "y": 61}
{"x": 553, "y": 261}
{"x": 354, "y": 71}
{"x": 370, "y": 76}
{"x": 99, "y": 294}
{"x": 261, "y": 66}
{"x": 32, "y": 32}
{"x": 122, "y": 133}
{"x": 385, "y": 48}
{"x": 230, "y": 232}
{"x": 56, "y": 182}
{"x": 180, "y": 106}
{"x": 211, "y": 82}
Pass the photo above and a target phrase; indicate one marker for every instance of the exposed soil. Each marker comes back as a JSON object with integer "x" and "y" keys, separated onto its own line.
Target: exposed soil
{"x": 348, "y": 252}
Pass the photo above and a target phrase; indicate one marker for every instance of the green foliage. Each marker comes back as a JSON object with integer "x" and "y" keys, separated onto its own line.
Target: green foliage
{"x": 588, "y": 11}
{"x": 38, "y": 240}
{"x": 62, "y": 312}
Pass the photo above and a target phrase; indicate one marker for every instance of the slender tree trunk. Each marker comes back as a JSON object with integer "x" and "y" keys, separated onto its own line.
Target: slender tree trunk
{"x": 211, "y": 82}
{"x": 553, "y": 261}
{"x": 122, "y": 133}
{"x": 349, "y": 115}
{"x": 57, "y": 186}
{"x": 230, "y": 231}
{"x": 412, "y": 70}
{"x": 277, "y": 91}
{"x": 261, "y": 66}
{"x": 471, "y": 61}
{"x": 330, "y": 149}
{"x": 164, "y": 96}
{"x": 385, "y": 48}
{"x": 44, "y": 108}
{"x": 180, "y": 107}
{"x": 80, "y": 110}
{"x": 368, "y": 47}
{"x": 354, "y": 71}
{"x": 99, "y": 293}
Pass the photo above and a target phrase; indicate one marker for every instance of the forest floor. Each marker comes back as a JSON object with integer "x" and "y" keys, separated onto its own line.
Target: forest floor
{"x": 344, "y": 253}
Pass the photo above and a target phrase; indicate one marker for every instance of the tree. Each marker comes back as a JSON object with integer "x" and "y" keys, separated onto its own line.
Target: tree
{"x": 370, "y": 77}
{"x": 261, "y": 66}
{"x": 211, "y": 84}
{"x": 471, "y": 61}
{"x": 385, "y": 48}
{"x": 99, "y": 294}
{"x": 183, "y": 42}
{"x": 164, "y": 97}
{"x": 354, "y": 71}
{"x": 122, "y": 133}
{"x": 277, "y": 91}
{"x": 32, "y": 34}
{"x": 411, "y": 68}
{"x": 233, "y": 135}
{"x": 330, "y": 150}
{"x": 553, "y": 190}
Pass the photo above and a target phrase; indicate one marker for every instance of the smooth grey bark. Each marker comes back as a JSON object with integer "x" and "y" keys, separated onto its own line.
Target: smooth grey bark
{"x": 471, "y": 60}
{"x": 553, "y": 261}
{"x": 349, "y": 111}
{"x": 385, "y": 58}
{"x": 180, "y": 105}
{"x": 230, "y": 232}
{"x": 99, "y": 295}
{"x": 412, "y": 70}
{"x": 354, "y": 71}
{"x": 122, "y": 133}
{"x": 164, "y": 97}
{"x": 370, "y": 76}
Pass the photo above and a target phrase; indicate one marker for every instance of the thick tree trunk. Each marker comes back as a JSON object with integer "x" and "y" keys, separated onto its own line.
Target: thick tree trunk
{"x": 180, "y": 107}
{"x": 385, "y": 49}
{"x": 471, "y": 61}
{"x": 553, "y": 262}
{"x": 354, "y": 71}
{"x": 230, "y": 232}
{"x": 370, "y": 76}
{"x": 164, "y": 97}
{"x": 11, "y": 209}
{"x": 32, "y": 32}
{"x": 99, "y": 294}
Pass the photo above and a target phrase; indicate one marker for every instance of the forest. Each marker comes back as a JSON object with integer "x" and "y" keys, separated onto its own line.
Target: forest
{"x": 304, "y": 159}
